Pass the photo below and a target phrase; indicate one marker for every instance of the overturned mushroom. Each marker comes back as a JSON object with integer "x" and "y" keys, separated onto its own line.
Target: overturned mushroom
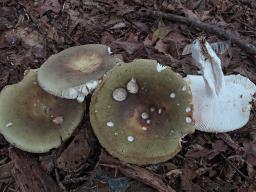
{"x": 146, "y": 127}
{"x": 221, "y": 103}
{"x": 74, "y": 72}
{"x": 33, "y": 120}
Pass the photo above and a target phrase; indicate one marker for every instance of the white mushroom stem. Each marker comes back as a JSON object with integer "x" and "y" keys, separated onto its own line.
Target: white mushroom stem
{"x": 221, "y": 103}
{"x": 210, "y": 66}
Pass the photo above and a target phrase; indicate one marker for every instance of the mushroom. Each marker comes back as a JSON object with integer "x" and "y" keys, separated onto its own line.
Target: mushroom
{"x": 132, "y": 129}
{"x": 74, "y": 72}
{"x": 221, "y": 103}
{"x": 33, "y": 120}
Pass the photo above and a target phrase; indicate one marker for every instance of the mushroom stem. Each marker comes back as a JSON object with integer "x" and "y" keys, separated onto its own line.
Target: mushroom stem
{"x": 210, "y": 65}
{"x": 221, "y": 103}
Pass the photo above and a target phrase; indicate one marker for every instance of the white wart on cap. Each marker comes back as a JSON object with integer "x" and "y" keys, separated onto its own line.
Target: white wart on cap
{"x": 74, "y": 72}
{"x": 221, "y": 103}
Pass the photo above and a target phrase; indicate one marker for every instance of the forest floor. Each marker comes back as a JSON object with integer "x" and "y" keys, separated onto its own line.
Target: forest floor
{"x": 32, "y": 30}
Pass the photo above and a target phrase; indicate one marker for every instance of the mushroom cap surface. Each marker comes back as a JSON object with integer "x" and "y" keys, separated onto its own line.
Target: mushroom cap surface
{"x": 71, "y": 71}
{"x": 33, "y": 120}
{"x": 146, "y": 127}
{"x": 229, "y": 111}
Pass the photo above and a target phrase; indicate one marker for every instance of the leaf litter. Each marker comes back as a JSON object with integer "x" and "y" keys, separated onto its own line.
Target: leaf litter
{"x": 31, "y": 31}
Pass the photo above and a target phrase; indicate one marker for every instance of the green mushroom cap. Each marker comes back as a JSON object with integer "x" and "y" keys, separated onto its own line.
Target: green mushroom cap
{"x": 73, "y": 72}
{"x": 33, "y": 120}
{"x": 141, "y": 111}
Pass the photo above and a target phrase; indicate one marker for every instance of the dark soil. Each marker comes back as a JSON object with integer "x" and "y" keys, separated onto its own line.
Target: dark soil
{"x": 31, "y": 31}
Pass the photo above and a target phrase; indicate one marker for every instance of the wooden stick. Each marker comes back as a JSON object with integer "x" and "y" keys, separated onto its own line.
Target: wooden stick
{"x": 221, "y": 33}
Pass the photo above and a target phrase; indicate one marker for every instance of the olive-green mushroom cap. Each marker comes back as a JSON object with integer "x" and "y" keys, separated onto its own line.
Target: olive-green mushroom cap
{"x": 145, "y": 125}
{"x": 33, "y": 120}
{"x": 74, "y": 72}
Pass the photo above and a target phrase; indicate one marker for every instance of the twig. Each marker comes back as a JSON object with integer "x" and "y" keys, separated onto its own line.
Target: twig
{"x": 58, "y": 180}
{"x": 221, "y": 33}
{"x": 143, "y": 175}
{"x": 237, "y": 170}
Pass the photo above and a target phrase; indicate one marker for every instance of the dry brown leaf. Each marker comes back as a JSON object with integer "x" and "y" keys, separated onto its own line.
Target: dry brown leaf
{"x": 48, "y": 5}
{"x": 129, "y": 47}
{"x": 160, "y": 33}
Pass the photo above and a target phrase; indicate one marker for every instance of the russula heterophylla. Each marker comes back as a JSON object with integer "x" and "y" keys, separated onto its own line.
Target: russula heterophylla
{"x": 34, "y": 120}
{"x": 74, "y": 72}
{"x": 147, "y": 125}
{"x": 221, "y": 103}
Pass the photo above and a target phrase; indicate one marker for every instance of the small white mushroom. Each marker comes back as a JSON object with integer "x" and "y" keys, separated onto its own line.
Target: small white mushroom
{"x": 132, "y": 86}
{"x": 148, "y": 121}
{"x": 130, "y": 138}
{"x": 144, "y": 128}
{"x": 144, "y": 115}
{"x": 119, "y": 94}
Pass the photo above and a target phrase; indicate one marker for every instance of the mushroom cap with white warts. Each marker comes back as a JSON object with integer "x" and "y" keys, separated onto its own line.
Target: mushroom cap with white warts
{"x": 72, "y": 70}
{"x": 148, "y": 125}
{"x": 33, "y": 120}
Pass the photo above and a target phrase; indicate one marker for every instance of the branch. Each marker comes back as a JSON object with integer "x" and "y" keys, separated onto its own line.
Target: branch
{"x": 141, "y": 174}
{"x": 221, "y": 33}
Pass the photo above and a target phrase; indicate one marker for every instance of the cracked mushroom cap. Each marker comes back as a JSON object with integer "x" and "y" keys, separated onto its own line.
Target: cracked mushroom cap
{"x": 73, "y": 73}
{"x": 33, "y": 120}
{"x": 145, "y": 125}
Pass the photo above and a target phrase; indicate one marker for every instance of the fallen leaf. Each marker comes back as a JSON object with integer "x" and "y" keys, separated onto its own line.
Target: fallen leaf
{"x": 48, "y": 5}
{"x": 186, "y": 180}
{"x": 160, "y": 33}
{"x": 129, "y": 47}
{"x": 162, "y": 47}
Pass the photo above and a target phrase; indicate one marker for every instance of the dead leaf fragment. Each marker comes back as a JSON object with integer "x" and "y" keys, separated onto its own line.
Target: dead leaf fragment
{"x": 48, "y": 5}
{"x": 129, "y": 47}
